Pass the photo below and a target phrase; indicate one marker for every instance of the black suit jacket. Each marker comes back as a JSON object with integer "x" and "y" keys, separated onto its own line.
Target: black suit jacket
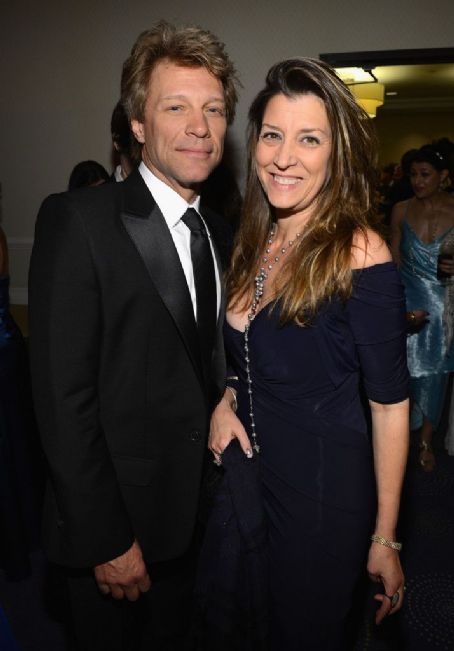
{"x": 121, "y": 403}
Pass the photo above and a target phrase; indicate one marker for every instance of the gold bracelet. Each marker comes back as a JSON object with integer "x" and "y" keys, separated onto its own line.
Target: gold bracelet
{"x": 234, "y": 404}
{"x": 412, "y": 316}
{"x": 387, "y": 543}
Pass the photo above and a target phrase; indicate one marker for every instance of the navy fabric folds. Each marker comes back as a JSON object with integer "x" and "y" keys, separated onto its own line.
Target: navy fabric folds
{"x": 368, "y": 333}
{"x": 232, "y": 585}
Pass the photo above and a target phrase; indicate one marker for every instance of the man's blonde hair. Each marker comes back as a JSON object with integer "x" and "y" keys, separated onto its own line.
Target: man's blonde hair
{"x": 185, "y": 46}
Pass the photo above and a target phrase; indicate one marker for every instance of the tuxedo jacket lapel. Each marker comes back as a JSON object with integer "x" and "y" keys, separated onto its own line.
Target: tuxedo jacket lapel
{"x": 218, "y": 357}
{"x": 146, "y": 227}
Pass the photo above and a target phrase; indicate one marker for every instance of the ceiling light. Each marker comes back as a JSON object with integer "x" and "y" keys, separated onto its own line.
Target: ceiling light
{"x": 369, "y": 96}
{"x": 354, "y": 75}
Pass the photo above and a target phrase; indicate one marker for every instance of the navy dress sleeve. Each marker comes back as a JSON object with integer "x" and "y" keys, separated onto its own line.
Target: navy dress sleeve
{"x": 377, "y": 317}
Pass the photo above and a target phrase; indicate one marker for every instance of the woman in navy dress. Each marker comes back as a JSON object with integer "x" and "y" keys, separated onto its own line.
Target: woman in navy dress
{"x": 316, "y": 317}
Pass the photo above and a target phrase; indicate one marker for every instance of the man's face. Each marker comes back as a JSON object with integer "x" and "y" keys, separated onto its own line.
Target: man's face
{"x": 184, "y": 126}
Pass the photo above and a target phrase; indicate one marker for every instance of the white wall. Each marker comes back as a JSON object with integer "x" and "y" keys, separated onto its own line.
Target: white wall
{"x": 60, "y": 66}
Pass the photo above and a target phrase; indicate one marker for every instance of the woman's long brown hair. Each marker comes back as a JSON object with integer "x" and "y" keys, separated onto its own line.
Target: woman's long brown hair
{"x": 320, "y": 264}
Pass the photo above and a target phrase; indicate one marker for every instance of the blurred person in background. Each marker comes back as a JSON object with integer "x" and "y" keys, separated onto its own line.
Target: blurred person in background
{"x": 87, "y": 173}
{"x": 423, "y": 247}
{"x": 21, "y": 462}
{"x": 127, "y": 153}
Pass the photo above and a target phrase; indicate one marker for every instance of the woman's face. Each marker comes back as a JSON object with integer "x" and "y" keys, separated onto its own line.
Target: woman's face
{"x": 425, "y": 179}
{"x": 293, "y": 152}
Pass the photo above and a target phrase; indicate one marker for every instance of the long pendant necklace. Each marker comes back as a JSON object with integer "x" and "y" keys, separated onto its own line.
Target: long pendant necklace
{"x": 259, "y": 284}
{"x": 433, "y": 230}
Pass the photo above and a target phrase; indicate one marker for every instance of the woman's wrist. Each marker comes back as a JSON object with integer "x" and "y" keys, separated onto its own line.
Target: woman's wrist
{"x": 230, "y": 398}
{"x": 385, "y": 525}
{"x": 385, "y": 541}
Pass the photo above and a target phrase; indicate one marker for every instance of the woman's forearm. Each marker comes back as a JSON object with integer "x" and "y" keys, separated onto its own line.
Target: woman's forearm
{"x": 390, "y": 432}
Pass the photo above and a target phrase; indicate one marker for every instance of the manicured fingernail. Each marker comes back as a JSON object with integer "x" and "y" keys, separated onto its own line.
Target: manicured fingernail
{"x": 249, "y": 453}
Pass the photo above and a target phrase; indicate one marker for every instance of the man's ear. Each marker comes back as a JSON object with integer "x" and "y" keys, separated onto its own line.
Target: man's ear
{"x": 138, "y": 130}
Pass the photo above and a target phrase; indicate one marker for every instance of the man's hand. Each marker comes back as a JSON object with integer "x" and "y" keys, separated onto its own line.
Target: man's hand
{"x": 446, "y": 264}
{"x": 125, "y": 576}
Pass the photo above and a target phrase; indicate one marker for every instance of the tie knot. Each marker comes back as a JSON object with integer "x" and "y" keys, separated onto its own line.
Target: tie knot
{"x": 193, "y": 221}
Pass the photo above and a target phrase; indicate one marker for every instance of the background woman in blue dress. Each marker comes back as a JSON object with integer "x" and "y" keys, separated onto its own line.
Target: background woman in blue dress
{"x": 315, "y": 310}
{"x": 422, "y": 230}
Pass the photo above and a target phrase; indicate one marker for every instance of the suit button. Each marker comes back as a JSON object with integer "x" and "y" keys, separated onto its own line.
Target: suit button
{"x": 195, "y": 436}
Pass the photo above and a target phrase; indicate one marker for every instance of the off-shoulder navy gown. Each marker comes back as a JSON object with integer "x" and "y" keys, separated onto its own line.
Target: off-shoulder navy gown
{"x": 316, "y": 457}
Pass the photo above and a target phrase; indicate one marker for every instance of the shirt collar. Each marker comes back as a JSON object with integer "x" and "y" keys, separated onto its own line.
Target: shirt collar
{"x": 170, "y": 203}
{"x": 118, "y": 175}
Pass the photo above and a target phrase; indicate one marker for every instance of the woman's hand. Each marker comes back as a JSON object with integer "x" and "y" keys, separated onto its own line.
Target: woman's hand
{"x": 384, "y": 566}
{"x": 446, "y": 264}
{"x": 416, "y": 318}
{"x": 225, "y": 426}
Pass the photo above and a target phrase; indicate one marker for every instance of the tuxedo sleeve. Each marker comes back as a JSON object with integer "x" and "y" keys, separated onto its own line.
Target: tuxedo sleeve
{"x": 65, "y": 341}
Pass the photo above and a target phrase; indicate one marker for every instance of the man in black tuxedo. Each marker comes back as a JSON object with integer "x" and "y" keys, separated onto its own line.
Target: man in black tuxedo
{"x": 127, "y": 360}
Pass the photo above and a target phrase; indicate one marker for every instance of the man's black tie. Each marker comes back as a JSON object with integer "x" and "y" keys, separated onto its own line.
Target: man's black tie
{"x": 205, "y": 284}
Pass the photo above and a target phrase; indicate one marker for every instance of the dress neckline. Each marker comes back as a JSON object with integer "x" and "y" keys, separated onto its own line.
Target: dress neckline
{"x": 241, "y": 332}
{"x": 374, "y": 268}
{"x": 427, "y": 244}
{"x": 371, "y": 269}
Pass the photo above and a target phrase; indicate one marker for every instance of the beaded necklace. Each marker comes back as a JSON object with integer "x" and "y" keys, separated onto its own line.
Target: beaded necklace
{"x": 259, "y": 283}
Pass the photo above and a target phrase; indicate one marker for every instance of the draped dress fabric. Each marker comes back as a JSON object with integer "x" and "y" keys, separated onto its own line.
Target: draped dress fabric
{"x": 430, "y": 355}
{"x": 316, "y": 459}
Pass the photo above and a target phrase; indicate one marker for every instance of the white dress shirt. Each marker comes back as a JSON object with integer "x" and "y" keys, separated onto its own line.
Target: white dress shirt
{"x": 173, "y": 207}
{"x": 118, "y": 174}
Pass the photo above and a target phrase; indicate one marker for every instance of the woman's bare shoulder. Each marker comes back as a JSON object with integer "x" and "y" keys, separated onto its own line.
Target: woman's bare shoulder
{"x": 368, "y": 248}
